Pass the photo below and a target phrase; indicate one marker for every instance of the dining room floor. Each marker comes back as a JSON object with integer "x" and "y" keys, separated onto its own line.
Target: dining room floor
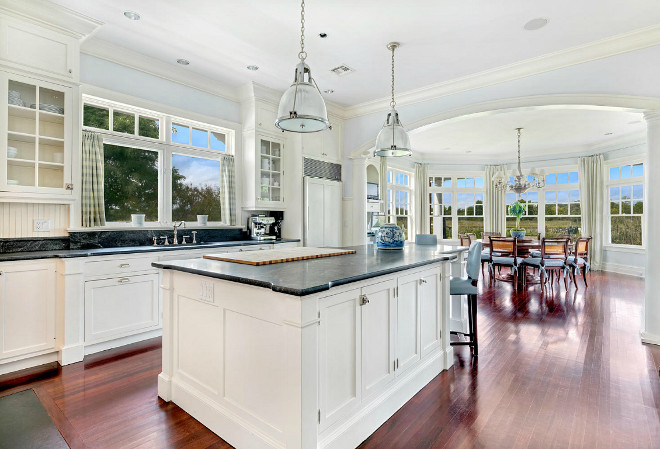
{"x": 556, "y": 370}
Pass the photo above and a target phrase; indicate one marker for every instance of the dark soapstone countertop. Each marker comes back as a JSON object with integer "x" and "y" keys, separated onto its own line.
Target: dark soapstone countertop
{"x": 305, "y": 277}
{"x": 31, "y": 255}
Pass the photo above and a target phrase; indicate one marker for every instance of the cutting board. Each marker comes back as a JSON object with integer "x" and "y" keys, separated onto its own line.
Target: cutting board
{"x": 270, "y": 256}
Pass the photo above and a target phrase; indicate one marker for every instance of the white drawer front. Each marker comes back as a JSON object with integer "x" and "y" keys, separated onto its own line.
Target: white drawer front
{"x": 118, "y": 266}
{"x": 120, "y": 306}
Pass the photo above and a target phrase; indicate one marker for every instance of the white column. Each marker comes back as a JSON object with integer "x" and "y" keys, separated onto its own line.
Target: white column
{"x": 359, "y": 201}
{"x": 651, "y": 314}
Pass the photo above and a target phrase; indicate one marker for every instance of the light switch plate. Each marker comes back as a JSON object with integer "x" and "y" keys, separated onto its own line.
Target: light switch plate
{"x": 206, "y": 291}
{"x": 41, "y": 225}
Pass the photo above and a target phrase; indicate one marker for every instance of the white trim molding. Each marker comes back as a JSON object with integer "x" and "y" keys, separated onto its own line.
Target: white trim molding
{"x": 627, "y": 270}
{"x": 650, "y": 339}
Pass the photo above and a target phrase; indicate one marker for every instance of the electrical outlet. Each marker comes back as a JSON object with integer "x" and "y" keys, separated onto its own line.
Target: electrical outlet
{"x": 41, "y": 225}
{"x": 206, "y": 291}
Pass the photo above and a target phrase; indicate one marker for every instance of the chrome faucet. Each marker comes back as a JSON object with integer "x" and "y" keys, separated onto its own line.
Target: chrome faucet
{"x": 176, "y": 227}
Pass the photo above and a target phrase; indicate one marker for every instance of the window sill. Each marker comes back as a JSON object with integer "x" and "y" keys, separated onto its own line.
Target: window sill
{"x": 625, "y": 249}
{"x": 149, "y": 226}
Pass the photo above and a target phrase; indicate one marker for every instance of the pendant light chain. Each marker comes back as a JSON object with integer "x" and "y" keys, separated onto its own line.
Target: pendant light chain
{"x": 519, "y": 169}
{"x": 303, "y": 54}
{"x": 393, "y": 103}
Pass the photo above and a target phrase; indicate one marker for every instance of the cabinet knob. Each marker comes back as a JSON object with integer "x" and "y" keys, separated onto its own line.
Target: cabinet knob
{"x": 423, "y": 281}
{"x": 364, "y": 300}
{"x": 124, "y": 265}
{"x": 123, "y": 280}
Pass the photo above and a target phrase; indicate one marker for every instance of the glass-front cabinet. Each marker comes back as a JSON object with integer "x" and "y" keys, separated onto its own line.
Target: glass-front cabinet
{"x": 270, "y": 167}
{"x": 35, "y": 151}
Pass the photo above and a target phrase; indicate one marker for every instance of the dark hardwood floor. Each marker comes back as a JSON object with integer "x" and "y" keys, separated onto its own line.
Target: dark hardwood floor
{"x": 564, "y": 371}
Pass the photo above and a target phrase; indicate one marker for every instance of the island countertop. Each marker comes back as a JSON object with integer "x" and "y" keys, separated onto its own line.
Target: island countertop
{"x": 305, "y": 277}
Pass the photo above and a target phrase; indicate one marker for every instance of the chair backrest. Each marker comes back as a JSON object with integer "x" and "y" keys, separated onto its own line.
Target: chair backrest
{"x": 465, "y": 239}
{"x": 474, "y": 261}
{"x": 486, "y": 234}
{"x": 536, "y": 236}
{"x": 426, "y": 239}
{"x": 554, "y": 247}
{"x": 565, "y": 236}
{"x": 504, "y": 246}
{"x": 472, "y": 236}
{"x": 582, "y": 247}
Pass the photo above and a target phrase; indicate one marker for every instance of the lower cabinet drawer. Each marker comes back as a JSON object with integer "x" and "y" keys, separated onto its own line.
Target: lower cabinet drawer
{"x": 121, "y": 306}
{"x": 118, "y": 266}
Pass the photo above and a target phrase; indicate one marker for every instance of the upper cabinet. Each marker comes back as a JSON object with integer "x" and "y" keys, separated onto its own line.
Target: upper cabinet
{"x": 324, "y": 145}
{"x": 35, "y": 131}
{"x": 39, "y": 49}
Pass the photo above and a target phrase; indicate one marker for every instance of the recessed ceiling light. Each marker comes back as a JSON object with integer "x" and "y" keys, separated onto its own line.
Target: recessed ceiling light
{"x": 536, "y": 24}
{"x": 608, "y": 134}
{"x": 131, "y": 15}
{"x": 323, "y": 35}
{"x": 469, "y": 151}
{"x": 329, "y": 91}
{"x": 254, "y": 68}
{"x": 183, "y": 61}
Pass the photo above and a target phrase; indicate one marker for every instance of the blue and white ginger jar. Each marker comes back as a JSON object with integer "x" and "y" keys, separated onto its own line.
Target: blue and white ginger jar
{"x": 389, "y": 236}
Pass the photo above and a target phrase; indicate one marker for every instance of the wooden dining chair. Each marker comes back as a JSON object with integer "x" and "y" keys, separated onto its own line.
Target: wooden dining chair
{"x": 579, "y": 260}
{"x": 503, "y": 253}
{"x": 465, "y": 239}
{"x": 485, "y": 253}
{"x": 553, "y": 259}
{"x": 487, "y": 234}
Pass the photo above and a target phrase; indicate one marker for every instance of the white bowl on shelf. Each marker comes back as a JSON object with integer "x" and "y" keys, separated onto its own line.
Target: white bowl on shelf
{"x": 12, "y": 152}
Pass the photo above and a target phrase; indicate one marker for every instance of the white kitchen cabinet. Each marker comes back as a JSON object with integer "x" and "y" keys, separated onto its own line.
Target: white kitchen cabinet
{"x": 430, "y": 294}
{"x": 324, "y": 145}
{"x": 323, "y": 205}
{"x": 35, "y": 137}
{"x": 378, "y": 313}
{"x": 339, "y": 356}
{"x": 264, "y": 175}
{"x": 121, "y": 306}
{"x": 27, "y": 308}
{"x": 407, "y": 322}
{"x": 39, "y": 49}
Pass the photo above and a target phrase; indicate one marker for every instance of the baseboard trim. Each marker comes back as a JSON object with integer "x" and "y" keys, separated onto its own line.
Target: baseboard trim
{"x": 28, "y": 362}
{"x": 628, "y": 270}
{"x": 650, "y": 339}
{"x": 116, "y": 343}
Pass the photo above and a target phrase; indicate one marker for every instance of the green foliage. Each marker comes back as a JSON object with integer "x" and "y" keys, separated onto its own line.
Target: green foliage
{"x": 96, "y": 117}
{"x": 470, "y": 225}
{"x": 626, "y": 230}
{"x": 188, "y": 200}
{"x": 517, "y": 210}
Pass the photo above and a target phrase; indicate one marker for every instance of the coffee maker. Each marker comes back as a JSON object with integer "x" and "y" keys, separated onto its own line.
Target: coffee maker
{"x": 265, "y": 226}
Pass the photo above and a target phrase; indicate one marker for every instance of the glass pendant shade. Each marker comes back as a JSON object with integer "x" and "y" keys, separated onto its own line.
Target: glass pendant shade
{"x": 393, "y": 140}
{"x": 302, "y": 109}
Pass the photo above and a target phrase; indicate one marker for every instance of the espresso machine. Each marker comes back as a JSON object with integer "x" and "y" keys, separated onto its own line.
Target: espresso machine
{"x": 265, "y": 227}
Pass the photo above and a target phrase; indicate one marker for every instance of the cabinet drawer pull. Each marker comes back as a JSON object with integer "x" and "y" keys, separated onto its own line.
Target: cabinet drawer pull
{"x": 124, "y": 265}
{"x": 364, "y": 300}
{"x": 423, "y": 281}
{"x": 123, "y": 280}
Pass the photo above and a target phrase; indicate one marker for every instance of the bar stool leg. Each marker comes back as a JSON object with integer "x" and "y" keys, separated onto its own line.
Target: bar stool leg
{"x": 472, "y": 299}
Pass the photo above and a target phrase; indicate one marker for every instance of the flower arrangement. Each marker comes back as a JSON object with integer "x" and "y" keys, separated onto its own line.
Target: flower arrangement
{"x": 517, "y": 210}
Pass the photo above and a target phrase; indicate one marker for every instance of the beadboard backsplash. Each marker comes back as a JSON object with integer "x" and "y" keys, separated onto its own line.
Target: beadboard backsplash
{"x": 17, "y": 219}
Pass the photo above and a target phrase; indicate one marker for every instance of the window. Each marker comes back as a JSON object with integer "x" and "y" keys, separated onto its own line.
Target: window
{"x": 530, "y": 220}
{"x": 626, "y": 204}
{"x": 467, "y": 215}
{"x": 399, "y": 200}
{"x": 166, "y": 176}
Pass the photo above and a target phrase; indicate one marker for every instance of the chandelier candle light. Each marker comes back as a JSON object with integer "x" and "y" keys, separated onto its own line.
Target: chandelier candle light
{"x": 392, "y": 140}
{"x": 520, "y": 182}
{"x": 302, "y": 109}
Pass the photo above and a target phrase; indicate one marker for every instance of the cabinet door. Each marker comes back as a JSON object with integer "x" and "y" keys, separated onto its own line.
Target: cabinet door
{"x": 332, "y": 214}
{"x": 27, "y": 309}
{"x": 314, "y": 212}
{"x": 121, "y": 306}
{"x": 430, "y": 297}
{"x": 339, "y": 356}
{"x": 378, "y": 318}
{"x": 407, "y": 322}
{"x": 312, "y": 144}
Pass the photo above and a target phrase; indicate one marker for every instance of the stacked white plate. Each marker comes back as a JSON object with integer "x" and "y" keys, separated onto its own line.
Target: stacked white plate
{"x": 12, "y": 152}
{"x": 49, "y": 108}
{"x": 15, "y": 98}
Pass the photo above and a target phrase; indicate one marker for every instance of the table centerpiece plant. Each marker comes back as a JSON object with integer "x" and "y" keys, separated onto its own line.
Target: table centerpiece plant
{"x": 517, "y": 210}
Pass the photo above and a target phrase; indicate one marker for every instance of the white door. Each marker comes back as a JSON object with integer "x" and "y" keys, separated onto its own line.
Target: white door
{"x": 122, "y": 306}
{"x": 378, "y": 317}
{"x": 27, "y": 308}
{"x": 332, "y": 213}
{"x": 430, "y": 297}
{"x": 339, "y": 356}
{"x": 314, "y": 210}
{"x": 407, "y": 322}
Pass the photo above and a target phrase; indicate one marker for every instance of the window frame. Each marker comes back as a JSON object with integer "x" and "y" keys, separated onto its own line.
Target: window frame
{"x": 391, "y": 204}
{"x": 163, "y": 145}
{"x": 619, "y": 183}
{"x": 454, "y": 190}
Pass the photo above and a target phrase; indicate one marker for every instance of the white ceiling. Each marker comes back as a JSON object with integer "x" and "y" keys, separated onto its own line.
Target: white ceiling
{"x": 547, "y": 133}
{"x": 441, "y": 40}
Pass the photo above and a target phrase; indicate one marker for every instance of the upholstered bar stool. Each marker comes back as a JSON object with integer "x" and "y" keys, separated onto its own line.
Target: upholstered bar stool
{"x": 426, "y": 239}
{"x": 468, "y": 286}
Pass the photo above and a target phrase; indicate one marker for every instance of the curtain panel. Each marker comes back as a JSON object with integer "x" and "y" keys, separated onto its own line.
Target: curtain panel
{"x": 92, "y": 199}
{"x": 228, "y": 190}
{"x": 591, "y": 171}
{"x": 494, "y": 201}
{"x": 421, "y": 197}
{"x": 382, "y": 184}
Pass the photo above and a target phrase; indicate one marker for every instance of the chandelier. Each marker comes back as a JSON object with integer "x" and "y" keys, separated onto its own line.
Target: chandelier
{"x": 392, "y": 139}
{"x": 520, "y": 183}
{"x": 302, "y": 109}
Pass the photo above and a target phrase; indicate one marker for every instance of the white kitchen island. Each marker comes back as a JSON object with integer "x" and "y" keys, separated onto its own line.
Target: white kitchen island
{"x": 308, "y": 354}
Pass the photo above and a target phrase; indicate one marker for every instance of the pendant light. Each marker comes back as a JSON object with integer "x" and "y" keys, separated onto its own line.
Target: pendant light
{"x": 520, "y": 183}
{"x": 302, "y": 109}
{"x": 392, "y": 140}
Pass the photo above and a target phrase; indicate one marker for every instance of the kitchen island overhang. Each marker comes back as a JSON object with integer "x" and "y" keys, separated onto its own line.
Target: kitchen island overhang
{"x": 307, "y": 354}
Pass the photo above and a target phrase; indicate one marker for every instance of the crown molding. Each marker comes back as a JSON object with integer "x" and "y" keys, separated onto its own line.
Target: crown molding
{"x": 614, "y": 45}
{"x": 51, "y": 15}
{"x": 138, "y": 61}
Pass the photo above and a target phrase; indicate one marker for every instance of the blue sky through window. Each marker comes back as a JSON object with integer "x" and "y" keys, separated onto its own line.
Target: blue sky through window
{"x": 198, "y": 171}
